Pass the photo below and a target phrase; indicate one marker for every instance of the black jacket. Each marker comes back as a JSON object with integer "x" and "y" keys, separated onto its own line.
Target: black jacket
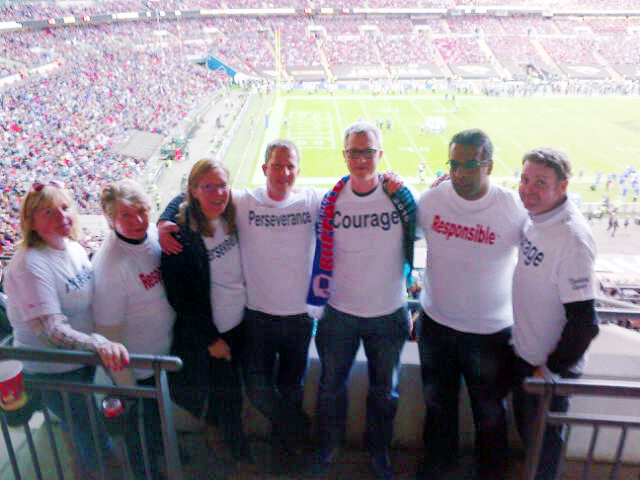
{"x": 187, "y": 281}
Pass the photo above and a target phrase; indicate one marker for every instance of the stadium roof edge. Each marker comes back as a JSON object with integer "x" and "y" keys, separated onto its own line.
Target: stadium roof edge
{"x": 170, "y": 15}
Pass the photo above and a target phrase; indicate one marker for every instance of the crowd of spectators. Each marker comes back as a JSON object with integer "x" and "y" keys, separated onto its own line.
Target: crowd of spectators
{"x": 68, "y": 123}
{"x": 351, "y": 52}
{"x": 106, "y": 80}
{"x": 569, "y": 50}
{"x": 400, "y": 50}
{"x": 460, "y": 50}
{"x": 619, "y": 50}
{"x": 340, "y": 26}
{"x": 247, "y": 43}
{"x": 301, "y": 49}
{"x": 517, "y": 49}
{"x": 393, "y": 25}
{"x": 569, "y": 26}
{"x": 611, "y": 25}
{"x": 436, "y": 25}
{"x": 527, "y": 25}
{"x": 475, "y": 25}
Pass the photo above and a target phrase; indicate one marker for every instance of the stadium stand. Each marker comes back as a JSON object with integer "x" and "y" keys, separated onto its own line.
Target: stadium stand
{"x": 145, "y": 75}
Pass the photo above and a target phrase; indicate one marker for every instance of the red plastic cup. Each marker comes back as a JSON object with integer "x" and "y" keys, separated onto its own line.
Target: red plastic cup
{"x": 12, "y": 394}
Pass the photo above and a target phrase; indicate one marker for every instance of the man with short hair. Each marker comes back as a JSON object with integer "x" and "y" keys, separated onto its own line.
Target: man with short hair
{"x": 472, "y": 228}
{"x": 276, "y": 234}
{"x": 365, "y": 241}
{"x": 554, "y": 288}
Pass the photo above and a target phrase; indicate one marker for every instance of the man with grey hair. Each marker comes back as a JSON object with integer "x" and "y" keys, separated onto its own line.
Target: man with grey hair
{"x": 364, "y": 245}
{"x": 554, "y": 288}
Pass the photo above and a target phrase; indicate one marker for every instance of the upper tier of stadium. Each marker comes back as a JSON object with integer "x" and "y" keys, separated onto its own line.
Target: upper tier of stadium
{"x": 73, "y": 91}
{"x": 22, "y": 10}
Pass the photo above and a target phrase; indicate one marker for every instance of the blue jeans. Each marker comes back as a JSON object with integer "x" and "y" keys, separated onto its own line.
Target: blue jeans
{"x": 282, "y": 341}
{"x": 338, "y": 339}
{"x": 525, "y": 409}
{"x": 82, "y": 433}
{"x": 446, "y": 356}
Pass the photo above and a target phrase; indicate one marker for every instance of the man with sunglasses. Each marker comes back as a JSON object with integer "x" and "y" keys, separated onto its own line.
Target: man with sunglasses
{"x": 472, "y": 228}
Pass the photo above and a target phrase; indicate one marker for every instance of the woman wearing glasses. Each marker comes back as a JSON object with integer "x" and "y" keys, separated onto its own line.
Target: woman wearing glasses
{"x": 206, "y": 287}
{"x": 49, "y": 286}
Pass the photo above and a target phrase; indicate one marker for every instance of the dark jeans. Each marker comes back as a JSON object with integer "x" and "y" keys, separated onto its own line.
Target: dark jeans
{"x": 338, "y": 339}
{"x": 152, "y": 432}
{"x": 446, "y": 356}
{"x": 214, "y": 384}
{"x": 525, "y": 409}
{"x": 82, "y": 433}
{"x": 275, "y": 364}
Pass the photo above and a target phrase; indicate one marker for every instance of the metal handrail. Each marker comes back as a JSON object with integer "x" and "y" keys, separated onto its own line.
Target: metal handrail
{"x": 547, "y": 389}
{"x": 160, "y": 392}
{"x": 168, "y": 363}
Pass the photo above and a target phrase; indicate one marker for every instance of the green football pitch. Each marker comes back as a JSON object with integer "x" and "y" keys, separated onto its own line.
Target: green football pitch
{"x": 600, "y": 134}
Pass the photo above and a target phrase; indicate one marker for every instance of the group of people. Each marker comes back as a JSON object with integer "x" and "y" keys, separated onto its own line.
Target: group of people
{"x": 244, "y": 273}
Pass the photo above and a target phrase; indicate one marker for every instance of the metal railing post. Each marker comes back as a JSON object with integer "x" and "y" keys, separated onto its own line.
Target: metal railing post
{"x": 174, "y": 467}
{"x": 539, "y": 427}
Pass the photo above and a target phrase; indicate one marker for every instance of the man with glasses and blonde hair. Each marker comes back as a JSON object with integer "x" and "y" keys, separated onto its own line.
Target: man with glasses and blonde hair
{"x": 472, "y": 228}
{"x": 363, "y": 253}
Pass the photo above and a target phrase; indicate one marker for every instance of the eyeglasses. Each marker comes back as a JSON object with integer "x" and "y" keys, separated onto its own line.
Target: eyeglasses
{"x": 468, "y": 165}
{"x": 211, "y": 187}
{"x": 354, "y": 153}
{"x": 37, "y": 186}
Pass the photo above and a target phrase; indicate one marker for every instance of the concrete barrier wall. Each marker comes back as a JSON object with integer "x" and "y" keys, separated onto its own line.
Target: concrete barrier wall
{"x": 615, "y": 353}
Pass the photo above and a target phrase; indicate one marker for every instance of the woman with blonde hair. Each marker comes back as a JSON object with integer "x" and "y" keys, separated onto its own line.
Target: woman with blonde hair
{"x": 49, "y": 284}
{"x": 205, "y": 286}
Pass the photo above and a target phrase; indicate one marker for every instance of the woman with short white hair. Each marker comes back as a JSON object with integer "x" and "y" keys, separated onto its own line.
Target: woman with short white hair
{"x": 130, "y": 303}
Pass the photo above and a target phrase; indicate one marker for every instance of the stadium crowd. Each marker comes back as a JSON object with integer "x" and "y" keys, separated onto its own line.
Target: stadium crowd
{"x": 69, "y": 121}
{"x": 119, "y": 79}
{"x": 247, "y": 43}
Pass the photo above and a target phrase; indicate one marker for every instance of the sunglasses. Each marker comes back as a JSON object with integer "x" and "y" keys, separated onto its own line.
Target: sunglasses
{"x": 468, "y": 165}
{"x": 37, "y": 186}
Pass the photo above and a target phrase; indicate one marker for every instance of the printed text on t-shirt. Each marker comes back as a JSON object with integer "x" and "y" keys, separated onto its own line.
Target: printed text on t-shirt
{"x": 152, "y": 279}
{"x": 478, "y": 234}
{"x": 530, "y": 253}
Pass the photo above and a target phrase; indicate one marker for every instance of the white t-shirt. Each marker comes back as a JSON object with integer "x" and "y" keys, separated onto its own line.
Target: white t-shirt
{"x": 129, "y": 292}
{"x": 368, "y": 278}
{"x": 228, "y": 291}
{"x": 277, "y": 241}
{"x": 555, "y": 266}
{"x": 46, "y": 281}
{"x": 471, "y": 256}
